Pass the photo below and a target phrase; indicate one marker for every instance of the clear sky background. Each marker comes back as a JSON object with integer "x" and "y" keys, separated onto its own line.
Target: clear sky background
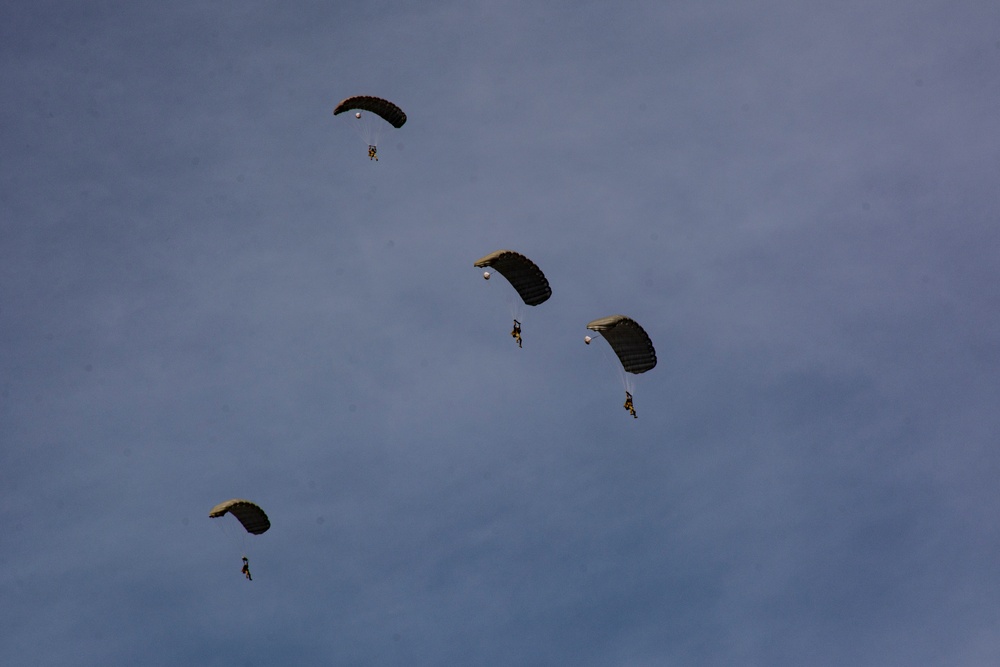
{"x": 208, "y": 291}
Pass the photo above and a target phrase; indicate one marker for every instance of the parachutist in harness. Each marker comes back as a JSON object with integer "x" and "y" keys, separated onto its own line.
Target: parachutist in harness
{"x": 246, "y": 569}
{"x": 628, "y": 405}
{"x": 516, "y": 332}
{"x": 372, "y": 152}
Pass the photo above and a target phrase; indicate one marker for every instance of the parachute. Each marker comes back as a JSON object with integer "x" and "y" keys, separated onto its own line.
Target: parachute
{"x": 249, "y": 514}
{"x": 369, "y": 129}
{"x": 633, "y": 347}
{"x": 523, "y": 275}
{"x": 629, "y": 341}
{"x": 385, "y": 109}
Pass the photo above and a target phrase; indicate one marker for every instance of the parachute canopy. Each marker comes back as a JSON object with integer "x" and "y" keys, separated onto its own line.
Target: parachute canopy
{"x": 249, "y": 514}
{"x": 523, "y": 274}
{"x": 629, "y": 341}
{"x": 384, "y": 108}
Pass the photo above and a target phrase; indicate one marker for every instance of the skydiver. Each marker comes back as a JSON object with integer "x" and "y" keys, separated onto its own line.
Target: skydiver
{"x": 246, "y": 569}
{"x": 628, "y": 405}
{"x": 516, "y": 332}
{"x": 372, "y": 152}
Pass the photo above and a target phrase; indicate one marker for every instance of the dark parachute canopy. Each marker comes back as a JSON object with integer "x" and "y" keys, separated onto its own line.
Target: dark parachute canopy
{"x": 523, "y": 275}
{"x": 376, "y": 105}
{"x": 249, "y": 514}
{"x": 629, "y": 341}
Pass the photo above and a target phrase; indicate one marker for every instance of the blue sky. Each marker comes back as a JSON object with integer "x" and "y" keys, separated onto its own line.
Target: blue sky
{"x": 208, "y": 291}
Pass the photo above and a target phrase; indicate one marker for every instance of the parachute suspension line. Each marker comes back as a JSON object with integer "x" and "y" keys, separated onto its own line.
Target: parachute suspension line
{"x": 515, "y": 306}
{"x": 627, "y": 379}
{"x": 610, "y": 359}
{"x": 360, "y": 126}
{"x": 238, "y": 537}
{"x": 235, "y": 534}
{"x": 368, "y": 127}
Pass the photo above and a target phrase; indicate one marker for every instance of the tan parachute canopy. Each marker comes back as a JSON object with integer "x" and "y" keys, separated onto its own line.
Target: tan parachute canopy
{"x": 523, "y": 274}
{"x": 249, "y": 514}
{"x": 384, "y": 108}
{"x": 629, "y": 341}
